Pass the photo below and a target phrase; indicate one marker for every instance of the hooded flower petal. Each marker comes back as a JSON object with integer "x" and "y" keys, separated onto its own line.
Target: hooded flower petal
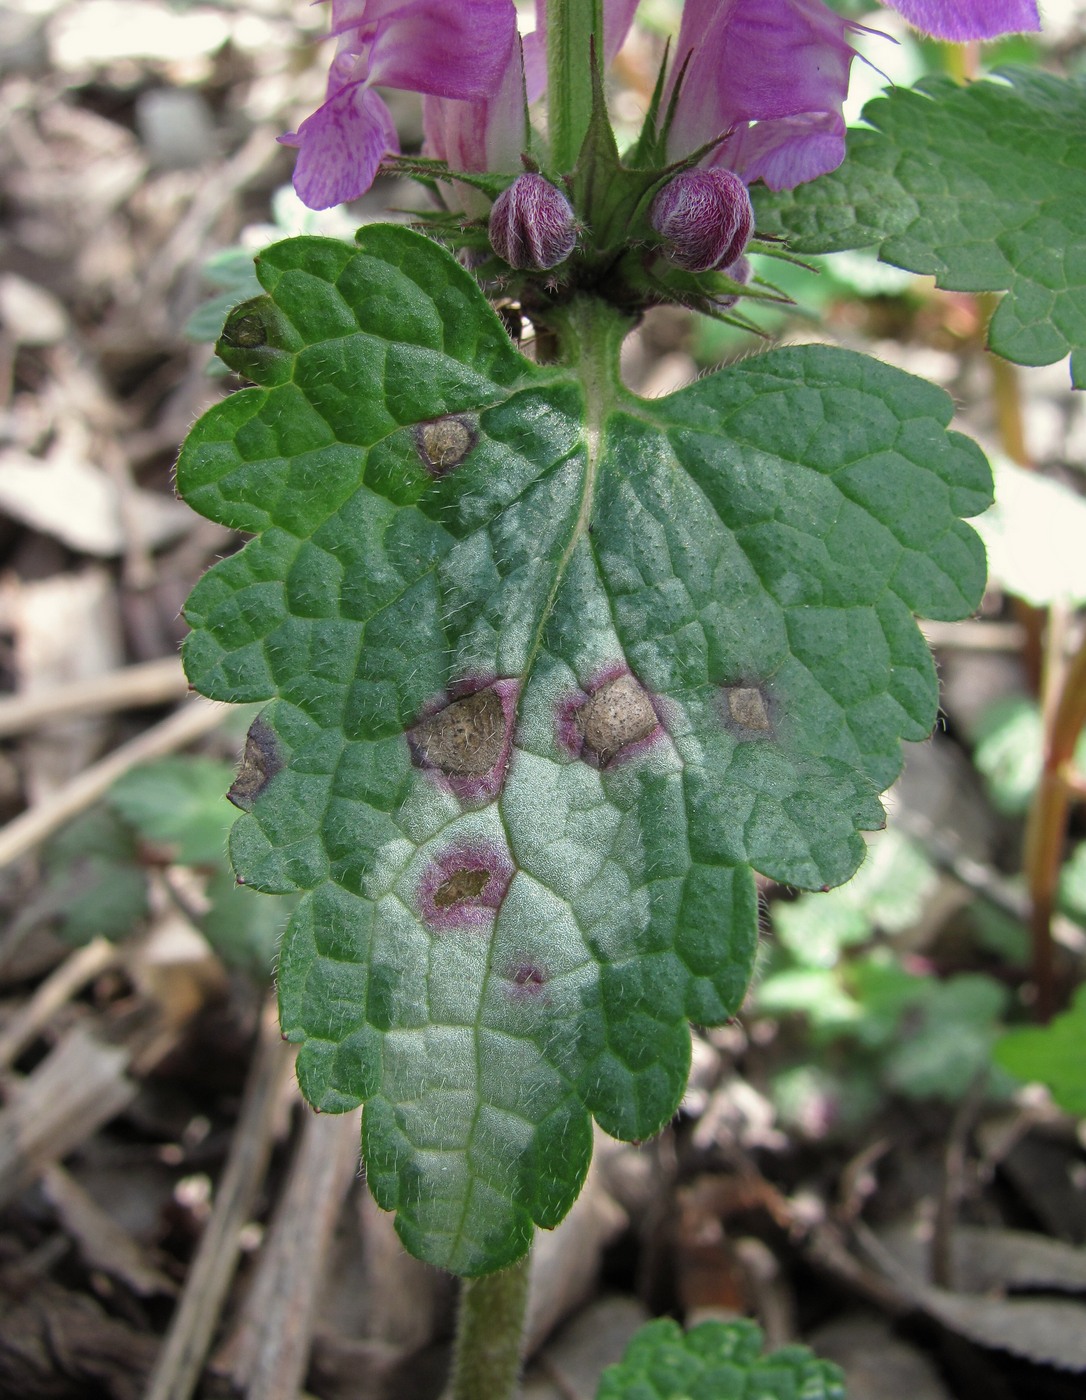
{"x": 969, "y": 19}
{"x": 487, "y": 134}
{"x": 447, "y": 49}
{"x": 782, "y": 65}
{"x": 457, "y": 51}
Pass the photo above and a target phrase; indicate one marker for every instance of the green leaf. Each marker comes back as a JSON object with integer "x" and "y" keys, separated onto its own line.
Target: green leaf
{"x": 984, "y": 187}
{"x": 887, "y": 892}
{"x": 552, "y": 669}
{"x": 178, "y": 803}
{"x": 949, "y": 1038}
{"x": 1053, "y": 1055}
{"x": 1009, "y": 751}
{"x": 716, "y": 1361}
{"x": 243, "y": 926}
{"x": 1073, "y": 884}
{"x": 94, "y": 886}
{"x": 572, "y": 25}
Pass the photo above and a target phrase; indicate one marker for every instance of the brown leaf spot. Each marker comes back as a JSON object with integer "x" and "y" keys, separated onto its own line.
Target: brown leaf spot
{"x": 443, "y": 443}
{"x": 618, "y": 714}
{"x": 466, "y": 738}
{"x": 259, "y": 764}
{"x": 461, "y": 884}
{"x": 747, "y": 708}
{"x": 247, "y": 332}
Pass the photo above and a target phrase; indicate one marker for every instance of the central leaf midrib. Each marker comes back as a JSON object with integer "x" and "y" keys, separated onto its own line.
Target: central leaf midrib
{"x": 594, "y": 400}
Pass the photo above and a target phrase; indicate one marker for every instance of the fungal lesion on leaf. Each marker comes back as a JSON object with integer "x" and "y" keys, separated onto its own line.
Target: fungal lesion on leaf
{"x": 468, "y": 740}
{"x": 748, "y": 711}
{"x": 460, "y": 885}
{"x": 260, "y": 762}
{"x": 465, "y": 738}
{"x": 617, "y": 715}
{"x": 247, "y": 331}
{"x": 444, "y": 443}
{"x": 526, "y": 982}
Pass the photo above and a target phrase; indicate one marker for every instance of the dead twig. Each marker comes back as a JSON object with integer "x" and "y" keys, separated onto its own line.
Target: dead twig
{"x": 267, "y": 1354}
{"x": 60, "y": 986}
{"x": 77, "y": 1088}
{"x": 984, "y": 880}
{"x": 103, "y": 1243}
{"x": 181, "y": 1359}
{"x": 950, "y": 1194}
{"x": 150, "y": 683}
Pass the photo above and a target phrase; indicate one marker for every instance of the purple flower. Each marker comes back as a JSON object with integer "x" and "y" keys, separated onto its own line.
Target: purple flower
{"x": 704, "y": 217}
{"x": 774, "y": 74}
{"x": 491, "y": 133}
{"x": 532, "y": 224}
{"x": 461, "y": 51}
{"x": 969, "y": 19}
{"x": 486, "y": 134}
{"x": 740, "y": 271}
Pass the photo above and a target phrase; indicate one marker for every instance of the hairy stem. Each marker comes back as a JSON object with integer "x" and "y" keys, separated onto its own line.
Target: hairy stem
{"x": 488, "y": 1334}
{"x": 571, "y": 26}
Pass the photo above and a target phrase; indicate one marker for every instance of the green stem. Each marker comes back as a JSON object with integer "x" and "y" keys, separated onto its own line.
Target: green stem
{"x": 488, "y": 1334}
{"x": 588, "y": 334}
{"x": 571, "y": 26}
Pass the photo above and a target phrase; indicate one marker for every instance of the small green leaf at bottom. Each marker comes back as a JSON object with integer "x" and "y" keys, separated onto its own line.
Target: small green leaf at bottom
{"x": 716, "y": 1361}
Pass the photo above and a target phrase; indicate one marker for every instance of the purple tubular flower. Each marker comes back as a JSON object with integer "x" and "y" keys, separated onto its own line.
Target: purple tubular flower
{"x": 704, "y": 217}
{"x": 532, "y": 225}
{"x": 460, "y": 51}
{"x": 487, "y": 134}
{"x": 960, "y": 20}
{"x": 772, "y": 72}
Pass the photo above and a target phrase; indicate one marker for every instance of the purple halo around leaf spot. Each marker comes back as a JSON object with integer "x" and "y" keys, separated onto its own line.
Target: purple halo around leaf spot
{"x": 617, "y": 720}
{"x": 526, "y": 983}
{"x": 465, "y": 738}
{"x": 462, "y": 888}
{"x": 961, "y": 20}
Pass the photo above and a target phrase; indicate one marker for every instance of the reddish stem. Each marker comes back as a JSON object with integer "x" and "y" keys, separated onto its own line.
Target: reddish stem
{"x": 1046, "y": 828}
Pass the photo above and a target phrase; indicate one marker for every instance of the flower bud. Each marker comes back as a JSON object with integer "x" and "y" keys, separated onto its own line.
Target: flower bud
{"x": 532, "y": 224}
{"x": 704, "y": 217}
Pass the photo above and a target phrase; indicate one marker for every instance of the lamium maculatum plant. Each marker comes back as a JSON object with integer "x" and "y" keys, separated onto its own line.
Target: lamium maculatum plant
{"x": 549, "y": 671}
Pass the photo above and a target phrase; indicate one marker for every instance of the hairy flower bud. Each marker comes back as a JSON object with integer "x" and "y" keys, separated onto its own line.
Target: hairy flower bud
{"x": 704, "y": 217}
{"x": 532, "y": 224}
